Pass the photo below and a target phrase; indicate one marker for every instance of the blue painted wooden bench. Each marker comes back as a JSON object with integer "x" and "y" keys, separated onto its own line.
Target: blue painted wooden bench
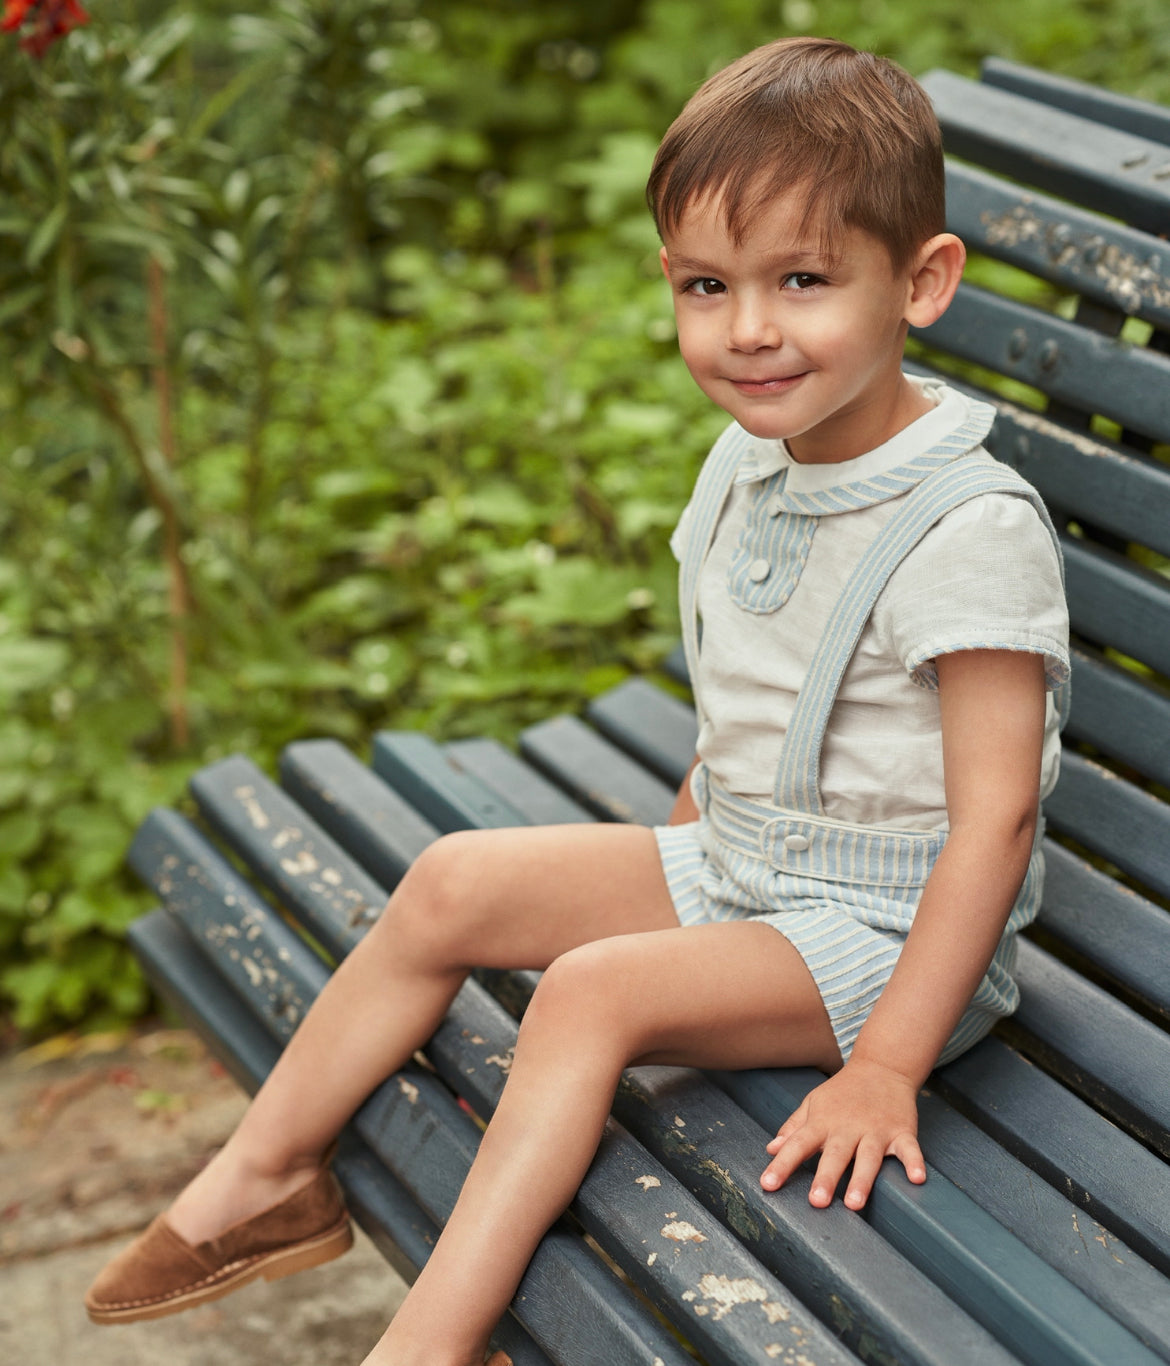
{"x": 1043, "y": 1232}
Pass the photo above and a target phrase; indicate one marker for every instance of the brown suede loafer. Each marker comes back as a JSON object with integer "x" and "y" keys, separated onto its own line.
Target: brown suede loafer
{"x": 161, "y": 1273}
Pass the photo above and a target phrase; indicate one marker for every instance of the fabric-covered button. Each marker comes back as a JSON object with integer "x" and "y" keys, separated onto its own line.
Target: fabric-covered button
{"x": 759, "y": 570}
{"x": 796, "y": 843}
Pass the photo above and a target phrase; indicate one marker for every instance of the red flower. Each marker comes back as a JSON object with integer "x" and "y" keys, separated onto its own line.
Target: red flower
{"x": 14, "y": 13}
{"x": 52, "y": 19}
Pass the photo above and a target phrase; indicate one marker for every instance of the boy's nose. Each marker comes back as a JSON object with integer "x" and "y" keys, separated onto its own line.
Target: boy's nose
{"x": 754, "y": 328}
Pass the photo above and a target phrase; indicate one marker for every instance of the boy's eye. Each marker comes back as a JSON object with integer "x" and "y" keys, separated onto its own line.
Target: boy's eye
{"x": 800, "y": 280}
{"x": 704, "y": 286}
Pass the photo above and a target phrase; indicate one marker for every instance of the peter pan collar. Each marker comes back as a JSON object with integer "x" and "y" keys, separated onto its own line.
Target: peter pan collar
{"x": 955, "y": 425}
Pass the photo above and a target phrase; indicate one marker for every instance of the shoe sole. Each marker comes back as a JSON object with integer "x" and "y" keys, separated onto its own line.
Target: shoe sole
{"x": 272, "y": 1266}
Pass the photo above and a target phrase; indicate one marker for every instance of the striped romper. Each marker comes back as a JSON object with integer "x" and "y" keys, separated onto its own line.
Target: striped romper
{"x": 844, "y": 895}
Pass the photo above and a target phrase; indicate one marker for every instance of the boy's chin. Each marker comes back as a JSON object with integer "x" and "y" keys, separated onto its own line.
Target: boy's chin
{"x": 759, "y": 426}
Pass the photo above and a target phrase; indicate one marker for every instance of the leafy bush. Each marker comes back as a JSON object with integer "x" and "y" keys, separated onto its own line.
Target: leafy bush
{"x": 341, "y": 389}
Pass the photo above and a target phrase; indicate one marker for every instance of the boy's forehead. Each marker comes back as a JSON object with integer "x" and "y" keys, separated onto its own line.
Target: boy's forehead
{"x": 787, "y": 223}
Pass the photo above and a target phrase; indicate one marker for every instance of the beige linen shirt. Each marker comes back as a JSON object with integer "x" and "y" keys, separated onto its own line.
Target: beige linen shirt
{"x": 986, "y": 576}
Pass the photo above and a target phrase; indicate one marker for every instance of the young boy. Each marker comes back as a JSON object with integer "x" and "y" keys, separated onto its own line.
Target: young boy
{"x": 842, "y": 879}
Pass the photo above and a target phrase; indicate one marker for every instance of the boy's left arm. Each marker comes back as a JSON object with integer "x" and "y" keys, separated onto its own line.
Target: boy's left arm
{"x": 993, "y": 706}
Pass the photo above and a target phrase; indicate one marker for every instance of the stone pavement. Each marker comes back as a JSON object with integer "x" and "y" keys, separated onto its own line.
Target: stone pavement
{"x": 96, "y": 1136}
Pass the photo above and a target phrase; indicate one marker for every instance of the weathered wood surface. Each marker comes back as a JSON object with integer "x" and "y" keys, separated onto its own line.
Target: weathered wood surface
{"x": 1114, "y": 170}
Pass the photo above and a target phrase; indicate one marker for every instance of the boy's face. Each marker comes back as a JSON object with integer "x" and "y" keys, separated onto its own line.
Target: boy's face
{"x": 791, "y": 343}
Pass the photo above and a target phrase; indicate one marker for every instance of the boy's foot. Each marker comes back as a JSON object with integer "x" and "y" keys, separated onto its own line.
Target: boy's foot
{"x": 162, "y": 1273}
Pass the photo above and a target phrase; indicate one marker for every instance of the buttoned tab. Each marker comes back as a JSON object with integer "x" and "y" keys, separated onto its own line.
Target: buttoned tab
{"x": 771, "y": 551}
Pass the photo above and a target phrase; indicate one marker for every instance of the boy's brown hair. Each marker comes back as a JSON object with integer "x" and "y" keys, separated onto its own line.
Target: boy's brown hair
{"x": 852, "y": 130}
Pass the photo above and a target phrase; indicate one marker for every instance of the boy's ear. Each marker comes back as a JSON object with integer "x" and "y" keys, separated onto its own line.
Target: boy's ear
{"x": 934, "y": 277}
{"x": 664, "y": 262}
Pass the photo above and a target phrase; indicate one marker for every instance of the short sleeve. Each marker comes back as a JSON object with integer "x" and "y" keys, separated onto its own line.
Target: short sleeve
{"x": 986, "y": 577}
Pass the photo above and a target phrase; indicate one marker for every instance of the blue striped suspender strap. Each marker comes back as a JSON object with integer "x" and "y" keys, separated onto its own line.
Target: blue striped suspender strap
{"x": 958, "y": 481}
{"x": 710, "y": 493}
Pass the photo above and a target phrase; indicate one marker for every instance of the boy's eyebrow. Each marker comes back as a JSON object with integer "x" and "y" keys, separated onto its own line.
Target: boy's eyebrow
{"x": 801, "y": 259}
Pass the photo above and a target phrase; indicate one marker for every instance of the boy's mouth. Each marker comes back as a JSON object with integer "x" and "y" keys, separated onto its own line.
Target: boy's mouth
{"x": 777, "y": 384}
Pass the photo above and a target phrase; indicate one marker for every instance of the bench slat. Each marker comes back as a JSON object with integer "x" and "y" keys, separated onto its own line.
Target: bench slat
{"x": 1086, "y": 370}
{"x": 341, "y": 794}
{"x": 663, "y": 727}
{"x": 1076, "y": 249}
{"x": 501, "y": 772}
{"x": 1121, "y": 714}
{"x": 293, "y": 858}
{"x": 1089, "y": 101}
{"x": 177, "y": 967}
{"x": 595, "y": 773}
{"x": 1115, "y": 172}
{"x": 1117, "y": 603}
{"x": 250, "y": 943}
{"x": 1096, "y": 1045}
{"x": 1092, "y": 480}
{"x": 1129, "y": 827}
{"x": 459, "y": 801}
{"x": 1113, "y": 1178}
{"x": 972, "y": 1256}
{"x": 1039, "y": 1215}
{"x": 1124, "y": 936}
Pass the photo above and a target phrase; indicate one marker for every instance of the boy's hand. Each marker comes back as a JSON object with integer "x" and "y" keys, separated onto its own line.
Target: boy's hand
{"x": 864, "y": 1113}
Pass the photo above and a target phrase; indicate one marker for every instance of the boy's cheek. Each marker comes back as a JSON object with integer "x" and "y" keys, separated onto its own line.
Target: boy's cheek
{"x": 698, "y": 372}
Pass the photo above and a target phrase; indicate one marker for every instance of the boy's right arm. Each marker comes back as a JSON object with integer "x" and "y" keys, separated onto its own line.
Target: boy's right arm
{"x": 993, "y": 713}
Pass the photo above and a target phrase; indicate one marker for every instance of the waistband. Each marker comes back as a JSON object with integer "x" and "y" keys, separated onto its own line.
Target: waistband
{"x": 805, "y": 845}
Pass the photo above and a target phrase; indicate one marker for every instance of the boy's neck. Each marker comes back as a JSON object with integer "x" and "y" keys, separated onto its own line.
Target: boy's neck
{"x": 837, "y": 442}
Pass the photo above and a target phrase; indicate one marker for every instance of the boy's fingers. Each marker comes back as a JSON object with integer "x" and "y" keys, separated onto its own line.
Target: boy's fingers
{"x": 835, "y": 1158}
{"x": 905, "y": 1148}
{"x": 794, "y": 1122}
{"x": 789, "y": 1154}
{"x": 866, "y": 1165}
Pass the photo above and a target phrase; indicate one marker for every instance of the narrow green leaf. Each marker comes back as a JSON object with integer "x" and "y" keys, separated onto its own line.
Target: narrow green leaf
{"x": 46, "y": 234}
{"x": 13, "y": 305}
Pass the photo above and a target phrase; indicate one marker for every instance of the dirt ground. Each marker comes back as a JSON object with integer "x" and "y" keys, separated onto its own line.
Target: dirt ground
{"x": 96, "y": 1136}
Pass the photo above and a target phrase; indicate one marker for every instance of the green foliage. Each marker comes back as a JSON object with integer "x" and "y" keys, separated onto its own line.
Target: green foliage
{"x": 341, "y": 388}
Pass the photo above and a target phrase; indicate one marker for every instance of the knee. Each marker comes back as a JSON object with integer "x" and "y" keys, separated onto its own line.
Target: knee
{"x": 584, "y": 997}
{"x": 434, "y": 906}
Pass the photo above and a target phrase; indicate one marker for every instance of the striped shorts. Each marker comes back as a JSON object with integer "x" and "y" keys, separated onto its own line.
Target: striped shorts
{"x": 844, "y": 896}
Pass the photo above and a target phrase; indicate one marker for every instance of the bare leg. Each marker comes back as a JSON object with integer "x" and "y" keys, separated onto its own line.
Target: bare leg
{"x": 499, "y": 898}
{"x": 734, "y": 995}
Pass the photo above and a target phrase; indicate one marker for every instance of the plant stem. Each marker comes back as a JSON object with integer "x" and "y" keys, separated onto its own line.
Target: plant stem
{"x": 178, "y": 582}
